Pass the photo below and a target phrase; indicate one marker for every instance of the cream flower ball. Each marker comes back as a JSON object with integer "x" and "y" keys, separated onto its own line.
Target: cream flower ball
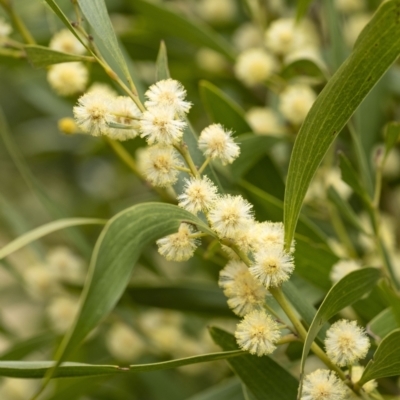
{"x": 295, "y": 102}
{"x": 254, "y": 66}
{"x": 285, "y": 35}
{"x": 68, "y": 78}
{"x": 346, "y": 343}
{"x": 264, "y": 121}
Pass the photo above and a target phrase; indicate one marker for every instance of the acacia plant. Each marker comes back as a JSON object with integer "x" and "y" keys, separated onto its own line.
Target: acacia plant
{"x": 277, "y": 212}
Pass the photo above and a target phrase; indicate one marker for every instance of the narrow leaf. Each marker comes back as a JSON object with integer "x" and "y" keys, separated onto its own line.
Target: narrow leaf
{"x": 205, "y": 299}
{"x": 165, "y": 19}
{"x": 386, "y": 360}
{"x": 345, "y": 209}
{"x": 375, "y": 51}
{"x": 40, "y": 56}
{"x": 392, "y": 298}
{"x": 38, "y": 369}
{"x": 96, "y": 14}
{"x": 223, "y": 110}
{"x": 350, "y": 176}
{"x": 44, "y": 230}
{"x": 382, "y": 324}
{"x": 252, "y": 149}
{"x": 114, "y": 256}
{"x": 314, "y": 261}
{"x": 344, "y": 293}
{"x": 392, "y": 135}
{"x": 180, "y": 362}
{"x": 162, "y": 70}
{"x": 263, "y": 376}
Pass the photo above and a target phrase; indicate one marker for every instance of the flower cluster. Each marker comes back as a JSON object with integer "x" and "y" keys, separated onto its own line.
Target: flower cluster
{"x": 262, "y": 58}
{"x": 345, "y": 344}
{"x": 231, "y": 218}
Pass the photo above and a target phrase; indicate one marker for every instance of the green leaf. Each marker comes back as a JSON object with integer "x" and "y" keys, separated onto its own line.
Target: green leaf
{"x": 166, "y": 20}
{"x": 40, "y": 56}
{"x": 198, "y": 298}
{"x": 114, "y": 256}
{"x": 95, "y": 11}
{"x": 345, "y": 209}
{"x": 305, "y": 67}
{"x": 274, "y": 185}
{"x": 386, "y": 360}
{"x": 350, "y": 176}
{"x": 392, "y": 298}
{"x": 252, "y": 149}
{"x": 227, "y": 390}
{"x": 180, "y": 362}
{"x": 162, "y": 70}
{"x": 362, "y": 161}
{"x": 223, "y": 110}
{"x": 39, "y": 369}
{"x": 314, "y": 261}
{"x": 344, "y": 293}
{"x": 382, "y": 324}
{"x": 45, "y": 230}
{"x": 392, "y": 135}
{"x": 376, "y": 49}
{"x": 263, "y": 376}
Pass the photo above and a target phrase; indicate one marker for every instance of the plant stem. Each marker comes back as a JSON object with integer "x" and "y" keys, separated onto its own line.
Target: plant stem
{"x": 184, "y": 152}
{"x": 287, "y": 339}
{"x": 183, "y": 169}
{"x": 287, "y": 308}
{"x": 204, "y": 166}
{"x": 198, "y": 235}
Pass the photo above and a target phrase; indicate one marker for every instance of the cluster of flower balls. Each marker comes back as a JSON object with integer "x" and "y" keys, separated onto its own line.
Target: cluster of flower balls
{"x": 285, "y": 41}
{"x": 162, "y": 123}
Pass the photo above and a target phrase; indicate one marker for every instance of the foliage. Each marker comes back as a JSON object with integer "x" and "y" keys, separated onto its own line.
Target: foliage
{"x": 261, "y": 175}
